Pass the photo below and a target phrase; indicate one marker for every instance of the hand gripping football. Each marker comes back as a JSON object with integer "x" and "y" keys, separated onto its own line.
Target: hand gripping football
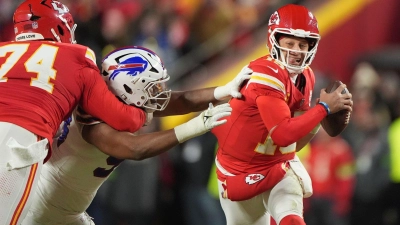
{"x": 335, "y": 123}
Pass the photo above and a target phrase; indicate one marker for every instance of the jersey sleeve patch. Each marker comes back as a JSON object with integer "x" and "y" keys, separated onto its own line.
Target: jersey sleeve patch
{"x": 267, "y": 80}
{"x": 90, "y": 55}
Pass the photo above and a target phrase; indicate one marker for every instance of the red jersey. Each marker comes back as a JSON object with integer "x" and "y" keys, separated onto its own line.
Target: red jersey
{"x": 42, "y": 82}
{"x": 330, "y": 164}
{"x": 245, "y": 143}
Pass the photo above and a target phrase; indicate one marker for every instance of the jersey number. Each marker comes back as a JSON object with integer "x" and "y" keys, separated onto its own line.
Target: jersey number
{"x": 41, "y": 62}
{"x": 269, "y": 147}
{"x": 102, "y": 172}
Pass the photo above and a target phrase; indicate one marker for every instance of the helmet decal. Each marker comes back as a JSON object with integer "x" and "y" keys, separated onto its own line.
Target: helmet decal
{"x": 137, "y": 76}
{"x": 311, "y": 15}
{"x": 61, "y": 8}
{"x": 274, "y": 19}
{"x": 131, "y": 67}
{"x": 313, "y": 20}
{"x": 35, "y": 25}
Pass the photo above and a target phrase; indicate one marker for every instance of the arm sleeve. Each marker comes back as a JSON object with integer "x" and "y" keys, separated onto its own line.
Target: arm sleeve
{"x": 101, "y": 103}
{"x": 277, "y": 118}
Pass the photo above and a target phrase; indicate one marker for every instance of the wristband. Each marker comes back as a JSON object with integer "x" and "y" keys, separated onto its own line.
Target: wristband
{"x": 190, "y": 129}
{"x": 325, "y": 106}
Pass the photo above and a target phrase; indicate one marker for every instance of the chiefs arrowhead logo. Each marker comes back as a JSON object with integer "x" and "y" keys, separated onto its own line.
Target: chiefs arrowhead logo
{"x": 274, "y": 19}
{"x": 254, "y": 178}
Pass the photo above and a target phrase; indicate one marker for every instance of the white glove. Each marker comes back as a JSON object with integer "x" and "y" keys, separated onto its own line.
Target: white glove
{"x": 232, "y": 87}
{"x": 204, "y": 122}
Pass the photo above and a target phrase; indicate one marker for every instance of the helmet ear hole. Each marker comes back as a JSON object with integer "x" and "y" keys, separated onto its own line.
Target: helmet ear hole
{"x": 128, "y": 89}
{"x": 35, "y": 18}
{"x": 154, "y": 70}
{"x": 60, "y": 30}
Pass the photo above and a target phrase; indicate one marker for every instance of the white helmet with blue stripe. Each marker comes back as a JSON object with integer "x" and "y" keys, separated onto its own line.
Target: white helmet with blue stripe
{"x": 138, "y": 77}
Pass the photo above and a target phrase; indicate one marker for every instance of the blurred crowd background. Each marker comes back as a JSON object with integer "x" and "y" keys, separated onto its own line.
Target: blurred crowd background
{"x": 356, "y": 176}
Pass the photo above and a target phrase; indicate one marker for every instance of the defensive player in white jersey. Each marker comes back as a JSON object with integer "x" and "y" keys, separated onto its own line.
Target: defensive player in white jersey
{"x": 87, "y": 151}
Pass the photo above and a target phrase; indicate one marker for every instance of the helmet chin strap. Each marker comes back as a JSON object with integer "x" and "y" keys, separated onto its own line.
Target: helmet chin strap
{"x": 150, "y": 108}
{"x": 291, "y": 69}
{"x": 55, "y": 35}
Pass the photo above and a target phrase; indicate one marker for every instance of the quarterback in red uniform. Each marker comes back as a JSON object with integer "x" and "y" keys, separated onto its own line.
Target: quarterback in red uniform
{"x": 258, "y": 171}
{"x": 44, "y": 75}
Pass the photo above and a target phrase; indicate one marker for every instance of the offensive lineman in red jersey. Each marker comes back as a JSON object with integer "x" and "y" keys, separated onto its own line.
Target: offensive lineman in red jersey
{"x": 258, "y": 171}
{"x": 43, "y": 77}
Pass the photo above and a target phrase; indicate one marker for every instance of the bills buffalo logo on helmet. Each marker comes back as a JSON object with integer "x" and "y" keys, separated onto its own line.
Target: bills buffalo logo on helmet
{"x": 274, "y": 19}
{"x": 131, "y": 66}
{"x": 254, "y": 178}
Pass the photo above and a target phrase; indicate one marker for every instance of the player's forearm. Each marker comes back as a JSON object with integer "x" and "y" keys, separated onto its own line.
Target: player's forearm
{"x": 304, "y": 141}
{"x": 125, "y": 145}
{"x": 293, "y": 129}
{"x": 148, "y": 145}
{"x": 183, "y": 102}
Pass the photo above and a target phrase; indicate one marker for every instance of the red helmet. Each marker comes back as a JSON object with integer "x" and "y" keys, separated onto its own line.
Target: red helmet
{"x": 293, "y": 20}
{"x": 44, "y": 20}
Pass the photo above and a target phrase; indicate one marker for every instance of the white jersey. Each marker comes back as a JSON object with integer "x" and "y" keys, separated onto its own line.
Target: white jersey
{"x": 70, "y": 179}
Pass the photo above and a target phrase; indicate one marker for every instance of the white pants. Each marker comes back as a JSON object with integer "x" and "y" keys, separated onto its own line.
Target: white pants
{"x": 286, "y": 198}
{"x": 21, "y": 160}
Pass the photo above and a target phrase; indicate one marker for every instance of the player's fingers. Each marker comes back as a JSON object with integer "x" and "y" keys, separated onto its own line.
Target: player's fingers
{"x": 224, "y": 105}
{"x": 246, "y": 77}
{"x": 219, "y": 122}
{"x": 223, "y": 108}
{"x": 348, "y": 108}
{"x": 348, "y": 102}
{"x": 221, "y": 115}
{"x": 348, "y": 95}
{"x": 236, "y": 94}
{"x": 341, "y": 88}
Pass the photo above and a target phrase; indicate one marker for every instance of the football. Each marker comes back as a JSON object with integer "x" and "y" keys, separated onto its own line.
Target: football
{"x": 335, "y": 123}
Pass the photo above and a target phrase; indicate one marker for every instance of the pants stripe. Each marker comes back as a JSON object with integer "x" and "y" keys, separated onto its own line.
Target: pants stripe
{"x": 21, "y": 204}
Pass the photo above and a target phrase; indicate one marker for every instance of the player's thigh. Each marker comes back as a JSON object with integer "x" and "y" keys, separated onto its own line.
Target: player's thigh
{"x": 286, "y": 198}
{"x": 251, "y": 211}
{"x": 18, "y": 177}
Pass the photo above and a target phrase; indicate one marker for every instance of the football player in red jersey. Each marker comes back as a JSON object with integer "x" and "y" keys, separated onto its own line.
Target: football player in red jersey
{"x": 258, "y": 171}
{"x": 43, "y": 76}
